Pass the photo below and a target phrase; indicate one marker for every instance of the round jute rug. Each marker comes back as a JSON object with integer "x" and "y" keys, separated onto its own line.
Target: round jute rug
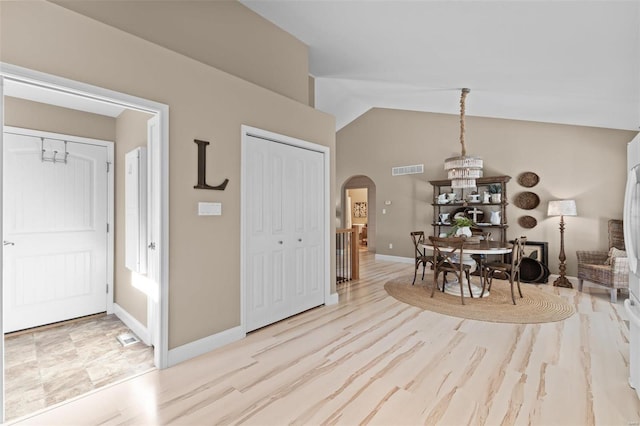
{"x": 536, "y": 306}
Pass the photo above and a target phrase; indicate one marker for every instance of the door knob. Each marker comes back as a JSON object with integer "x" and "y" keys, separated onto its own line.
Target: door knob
{"x": 8, "y": 243}
{"x": 279, "y": 242}
{"x": 299, "y": 240}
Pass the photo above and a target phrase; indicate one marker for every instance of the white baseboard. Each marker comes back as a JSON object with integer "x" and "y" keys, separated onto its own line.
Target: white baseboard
{"x": 398, "y": 259}
{"x": 134, "y": 325}
{"x": 332, "y": 299}
{"x": 204, "y": 345}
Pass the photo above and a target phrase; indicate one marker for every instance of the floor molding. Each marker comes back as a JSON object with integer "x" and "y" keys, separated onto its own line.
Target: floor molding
{"x": 204, "y": 345}
{"x": 136, "y": 326}
{"x": 387, "y": 258}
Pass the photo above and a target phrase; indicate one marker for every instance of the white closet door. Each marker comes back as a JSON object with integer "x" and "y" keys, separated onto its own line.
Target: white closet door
{"x": 306, "y": 176}
{"x": 55, "y": 225}
{"x": 285, "y": 244}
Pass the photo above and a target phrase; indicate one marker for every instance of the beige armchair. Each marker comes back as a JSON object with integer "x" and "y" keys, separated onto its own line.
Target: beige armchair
{"x": 609, "y": 269}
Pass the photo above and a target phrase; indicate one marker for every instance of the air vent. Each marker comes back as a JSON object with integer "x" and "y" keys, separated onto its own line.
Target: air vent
{"x": 127, "y": 339}
{"x": 407, "y": 170}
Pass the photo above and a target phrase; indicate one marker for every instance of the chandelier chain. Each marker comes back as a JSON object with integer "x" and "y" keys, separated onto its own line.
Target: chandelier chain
{"x": 463, "y": 98}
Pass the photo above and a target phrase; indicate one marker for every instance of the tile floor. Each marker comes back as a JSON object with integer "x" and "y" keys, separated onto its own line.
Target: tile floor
{"x": 46, "y": 366}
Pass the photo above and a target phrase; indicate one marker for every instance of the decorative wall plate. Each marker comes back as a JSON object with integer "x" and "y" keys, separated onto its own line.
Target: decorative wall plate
{"x": 527, "y": 200}
{"x": 527, "y": 222}
{"x": 528, "y": 179}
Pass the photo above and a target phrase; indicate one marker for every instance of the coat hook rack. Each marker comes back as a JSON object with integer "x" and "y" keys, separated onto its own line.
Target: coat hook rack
{"x": 53, "y": 159}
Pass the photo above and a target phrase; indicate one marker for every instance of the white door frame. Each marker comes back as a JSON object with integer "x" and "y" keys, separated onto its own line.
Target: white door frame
{"x": 1, "y": 251}
{"x": 98, "y": 94}
{"x": 247, "y": 131}
{"x": 110, "y": 192}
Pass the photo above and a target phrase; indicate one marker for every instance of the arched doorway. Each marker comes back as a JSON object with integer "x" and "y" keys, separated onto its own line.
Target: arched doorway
{"x": 355, "y": 191}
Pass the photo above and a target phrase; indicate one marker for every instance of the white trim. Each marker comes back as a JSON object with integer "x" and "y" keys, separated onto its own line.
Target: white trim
{"x": 109, "y": 145}
{"x": 134, "y": 325}
{"x": 246, "y": 131}
{"x": 99, "y": 94}
{"x": 1, "y": 249}
{"x": 204, "y": 345}
{"x": 397, "y": 259}
{"x": 332, "y": 299}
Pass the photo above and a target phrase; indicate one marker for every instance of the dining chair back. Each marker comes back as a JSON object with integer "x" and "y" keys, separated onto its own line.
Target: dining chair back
{"x": 511, "y": 270}
{"x": 421, "y": 257}
{"x": 448, "y": 254}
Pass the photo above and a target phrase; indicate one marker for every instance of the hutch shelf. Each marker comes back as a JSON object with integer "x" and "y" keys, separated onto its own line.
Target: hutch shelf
{"x": 479, "y": 211}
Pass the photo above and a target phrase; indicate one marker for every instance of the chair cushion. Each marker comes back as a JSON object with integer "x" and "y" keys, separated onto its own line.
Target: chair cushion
{"x": 614, "y": 252}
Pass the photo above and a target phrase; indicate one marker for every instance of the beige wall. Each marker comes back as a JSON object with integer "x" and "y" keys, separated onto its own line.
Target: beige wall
{"x": 221, "y": 33}
{"x": 312, "y": 92}
{"x": 205, "y": 103}
{"x": 49, "y": 118}
{"x": 131, "y": 132}
{"x": 587, "y": 164}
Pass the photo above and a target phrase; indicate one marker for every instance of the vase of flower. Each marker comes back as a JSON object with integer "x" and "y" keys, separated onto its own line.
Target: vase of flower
{"x": 462, "y": 227}
{"x": 464, "y": 231}
{"x": 496, "y": 193}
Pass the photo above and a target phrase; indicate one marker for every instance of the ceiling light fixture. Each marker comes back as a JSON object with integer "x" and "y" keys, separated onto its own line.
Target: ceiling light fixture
{"x": 464, "y": 169}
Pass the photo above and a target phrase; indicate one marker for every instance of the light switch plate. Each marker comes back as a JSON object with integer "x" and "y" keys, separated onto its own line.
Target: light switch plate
{"x": 209, "y": 209}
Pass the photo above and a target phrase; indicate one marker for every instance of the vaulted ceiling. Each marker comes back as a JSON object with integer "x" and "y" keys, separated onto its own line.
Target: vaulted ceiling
{"x": 571, "y": 62}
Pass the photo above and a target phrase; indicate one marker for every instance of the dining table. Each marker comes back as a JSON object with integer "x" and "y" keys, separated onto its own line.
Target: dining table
{"x": 483, "y": 248}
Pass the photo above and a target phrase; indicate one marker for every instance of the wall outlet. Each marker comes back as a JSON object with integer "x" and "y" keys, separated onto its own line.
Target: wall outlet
{"x": 390, "y": 245}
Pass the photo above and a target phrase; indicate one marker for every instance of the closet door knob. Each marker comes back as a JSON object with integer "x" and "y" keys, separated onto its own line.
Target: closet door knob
{"x": 8, "y": 243}
{"x": 280, "y": 242}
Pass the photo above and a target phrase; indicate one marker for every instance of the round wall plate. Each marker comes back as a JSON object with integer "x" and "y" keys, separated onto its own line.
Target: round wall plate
{"x": 528, "y": 179}
{"x": 527, "y": 222}
{"x": 527, "y": 200}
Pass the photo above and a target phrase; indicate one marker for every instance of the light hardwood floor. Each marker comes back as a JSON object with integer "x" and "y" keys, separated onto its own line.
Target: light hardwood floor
{"x": 373, "y": 360}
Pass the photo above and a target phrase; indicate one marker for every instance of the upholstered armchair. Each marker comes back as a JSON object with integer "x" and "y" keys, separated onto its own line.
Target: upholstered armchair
{"x": 609, "y": 269}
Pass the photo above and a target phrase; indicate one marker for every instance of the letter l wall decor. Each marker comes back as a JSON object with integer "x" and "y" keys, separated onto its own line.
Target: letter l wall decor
{"x": 202, "y": 168}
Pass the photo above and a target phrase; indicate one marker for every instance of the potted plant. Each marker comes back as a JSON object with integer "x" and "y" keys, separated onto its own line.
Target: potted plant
{"x": 461, "y": 226}
{"x": 496, "y": 193}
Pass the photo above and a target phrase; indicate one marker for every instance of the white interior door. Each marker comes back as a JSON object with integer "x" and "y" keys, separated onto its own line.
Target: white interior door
{"x": 284, "y": 230}
{"x": 55, "y": 231}
{"x": 307, "y": 178}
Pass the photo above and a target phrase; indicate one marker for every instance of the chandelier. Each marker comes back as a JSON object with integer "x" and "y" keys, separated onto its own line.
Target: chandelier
{"x": 464, "y": 169}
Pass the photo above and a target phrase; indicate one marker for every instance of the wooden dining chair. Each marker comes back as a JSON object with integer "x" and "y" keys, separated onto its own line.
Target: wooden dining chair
{"x": 511, "y": 270}
{"x": 448, "y": 254}
{"x": 420, "y": 254}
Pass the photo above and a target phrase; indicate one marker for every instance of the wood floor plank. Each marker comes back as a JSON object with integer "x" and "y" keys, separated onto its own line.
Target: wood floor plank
{"x": 371, "y": 359}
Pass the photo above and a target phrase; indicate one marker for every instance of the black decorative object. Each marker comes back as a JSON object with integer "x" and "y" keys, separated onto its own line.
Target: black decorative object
{"x": 534, "y": 266}
{"x": 202, "y": 168}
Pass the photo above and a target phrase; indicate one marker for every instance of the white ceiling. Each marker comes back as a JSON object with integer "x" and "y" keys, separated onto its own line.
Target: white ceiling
{"x": 571, "y": 62}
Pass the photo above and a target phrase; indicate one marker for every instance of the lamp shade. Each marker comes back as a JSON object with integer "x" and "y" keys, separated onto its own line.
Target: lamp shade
{"x": 562, "y": 208}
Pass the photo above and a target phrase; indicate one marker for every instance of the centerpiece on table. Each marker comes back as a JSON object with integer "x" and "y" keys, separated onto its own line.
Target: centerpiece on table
{"x": 461, "y": 227}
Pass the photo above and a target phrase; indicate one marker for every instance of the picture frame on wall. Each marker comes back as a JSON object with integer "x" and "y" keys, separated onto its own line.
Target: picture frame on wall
{"x": 360, "y": 209}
